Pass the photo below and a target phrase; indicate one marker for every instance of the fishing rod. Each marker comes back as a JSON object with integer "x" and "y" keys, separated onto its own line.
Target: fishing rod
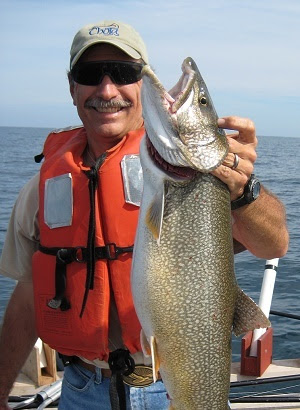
{"x": 265, "y": 299}
{"x": 265, "y": 380}
{"x": 289, "y": 315}
{"x": 33, "y": 405}
{"x": 44, "y": 398}
{"x": 267, "y": 399}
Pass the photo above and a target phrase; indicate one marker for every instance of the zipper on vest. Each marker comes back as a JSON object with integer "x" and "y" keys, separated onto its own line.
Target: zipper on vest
{"x": 92, "y": 175}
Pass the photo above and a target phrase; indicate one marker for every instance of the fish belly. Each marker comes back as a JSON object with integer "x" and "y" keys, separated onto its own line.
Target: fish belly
{"x": 184, "y": 291}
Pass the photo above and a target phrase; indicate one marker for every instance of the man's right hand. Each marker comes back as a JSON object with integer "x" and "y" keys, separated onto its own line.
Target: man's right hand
{"x": 18, "y": 337}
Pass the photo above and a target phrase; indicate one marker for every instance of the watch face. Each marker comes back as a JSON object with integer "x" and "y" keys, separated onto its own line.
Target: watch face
{"x": 255, "y": 189}
{"x": 251, "y": 193}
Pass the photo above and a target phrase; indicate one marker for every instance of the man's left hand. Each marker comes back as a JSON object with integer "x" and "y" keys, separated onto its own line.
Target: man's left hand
{"x": 242, "y": 142}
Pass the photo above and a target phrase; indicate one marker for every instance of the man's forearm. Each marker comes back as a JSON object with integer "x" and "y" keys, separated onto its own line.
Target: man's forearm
{"x": 17, "y": 338}
{"x": 261, "y": 226}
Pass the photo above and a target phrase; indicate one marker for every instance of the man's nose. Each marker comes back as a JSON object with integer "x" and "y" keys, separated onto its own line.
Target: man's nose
{"x": 107, "y": 88}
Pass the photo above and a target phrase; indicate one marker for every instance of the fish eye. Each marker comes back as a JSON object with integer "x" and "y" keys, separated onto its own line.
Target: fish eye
{"x": 203, "y": 101}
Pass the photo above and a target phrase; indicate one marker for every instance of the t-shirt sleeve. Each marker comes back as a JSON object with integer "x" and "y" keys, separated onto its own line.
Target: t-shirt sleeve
{"x": 22, "y": 235}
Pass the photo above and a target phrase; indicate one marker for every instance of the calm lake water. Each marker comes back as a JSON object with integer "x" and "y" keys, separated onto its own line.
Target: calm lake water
{"x": 278, "y": 167}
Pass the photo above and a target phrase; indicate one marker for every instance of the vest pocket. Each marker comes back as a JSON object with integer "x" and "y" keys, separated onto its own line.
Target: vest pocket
{"x": 58, "y": 201}
{"x": 132, "y": 175}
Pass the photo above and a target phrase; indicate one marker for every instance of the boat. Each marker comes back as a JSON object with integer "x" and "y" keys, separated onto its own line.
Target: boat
{"x": 273, "y": 384}
{"x": 274, "y": 380}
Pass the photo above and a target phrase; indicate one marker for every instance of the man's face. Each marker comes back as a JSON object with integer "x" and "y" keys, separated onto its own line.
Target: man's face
{"x": 110, "y": 124}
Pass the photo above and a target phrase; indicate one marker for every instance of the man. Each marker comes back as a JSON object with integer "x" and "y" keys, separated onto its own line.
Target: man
{"x": 74, "y": 219}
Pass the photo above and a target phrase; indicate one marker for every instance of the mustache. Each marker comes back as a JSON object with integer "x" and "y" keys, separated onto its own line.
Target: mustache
{"x": 101, "y": 103}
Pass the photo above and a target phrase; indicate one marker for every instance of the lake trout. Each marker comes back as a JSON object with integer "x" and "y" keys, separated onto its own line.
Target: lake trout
{"x": 183, "y": 281}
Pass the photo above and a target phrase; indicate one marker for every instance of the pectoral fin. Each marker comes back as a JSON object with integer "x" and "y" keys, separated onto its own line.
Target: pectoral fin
{"x": 155, "y": 213}
{"x": 155, "y": 358}
{"x": 150, "y": 350}
{"x": 145, "y": 344}
{"x": 247, "y": 315}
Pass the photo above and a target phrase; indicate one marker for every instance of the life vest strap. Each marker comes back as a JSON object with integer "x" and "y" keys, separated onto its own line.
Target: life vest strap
{"x": 79, "y": 254}
{"x": 63, "y": 258}
{"x": 109, "y": 251}
{"x": 121, "y": 364}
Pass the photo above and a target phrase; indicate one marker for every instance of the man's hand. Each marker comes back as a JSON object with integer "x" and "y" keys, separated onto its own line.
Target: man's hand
{"x": 261, "y": 226}
{"x": 242, "y": 142}
{"x": 17, "y": 338}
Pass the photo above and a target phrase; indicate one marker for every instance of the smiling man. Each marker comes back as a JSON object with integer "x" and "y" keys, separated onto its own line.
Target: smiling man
{"x": 109, "y": 104}
{"x": 70, "y": 237}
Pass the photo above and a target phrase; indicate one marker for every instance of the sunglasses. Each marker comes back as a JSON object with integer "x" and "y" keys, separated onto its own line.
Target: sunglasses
{"x": 120, "y": 72}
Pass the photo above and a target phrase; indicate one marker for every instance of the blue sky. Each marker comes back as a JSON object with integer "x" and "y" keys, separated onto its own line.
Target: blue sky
{"x": 248, "y": 52}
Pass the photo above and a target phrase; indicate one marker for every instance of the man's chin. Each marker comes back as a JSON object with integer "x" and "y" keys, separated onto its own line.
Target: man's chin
{"x": 108, "y": 131}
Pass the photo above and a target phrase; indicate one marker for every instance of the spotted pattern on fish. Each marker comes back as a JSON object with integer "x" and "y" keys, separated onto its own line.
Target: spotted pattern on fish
{"x": 183, "y": 282}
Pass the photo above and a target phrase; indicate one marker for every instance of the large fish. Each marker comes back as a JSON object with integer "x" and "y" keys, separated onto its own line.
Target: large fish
{"x": 183, "y": 282}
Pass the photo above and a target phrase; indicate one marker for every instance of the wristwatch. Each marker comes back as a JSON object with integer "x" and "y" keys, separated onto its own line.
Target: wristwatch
{"x": 250, "y": 194}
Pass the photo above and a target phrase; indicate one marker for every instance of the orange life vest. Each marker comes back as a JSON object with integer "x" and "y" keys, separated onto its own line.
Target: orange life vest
{"x": 72, "y": 328}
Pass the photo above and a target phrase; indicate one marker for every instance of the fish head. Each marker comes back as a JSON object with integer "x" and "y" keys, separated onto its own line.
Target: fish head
{"x": 182, "y": 124}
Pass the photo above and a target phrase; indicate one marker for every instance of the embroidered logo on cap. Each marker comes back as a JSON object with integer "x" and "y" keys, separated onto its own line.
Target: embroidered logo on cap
{"x": 112, "y": 30}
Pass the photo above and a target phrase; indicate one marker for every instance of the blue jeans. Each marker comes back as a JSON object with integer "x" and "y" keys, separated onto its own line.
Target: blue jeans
{"x": 83, "y": 389}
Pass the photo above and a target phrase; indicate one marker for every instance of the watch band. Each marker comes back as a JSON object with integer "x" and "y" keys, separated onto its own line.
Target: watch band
{"x": 238, "y": 203}
{"x": 250, "y": 194}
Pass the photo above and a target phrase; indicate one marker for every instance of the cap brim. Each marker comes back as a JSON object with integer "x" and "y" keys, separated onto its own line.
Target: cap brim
{"x": 124, "y": 47}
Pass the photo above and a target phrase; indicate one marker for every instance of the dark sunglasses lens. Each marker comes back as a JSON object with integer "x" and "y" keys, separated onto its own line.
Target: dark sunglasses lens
{"x": 86, "y": 74}
{"x": 126, "y": 73}
{"x": 91, "y": 73}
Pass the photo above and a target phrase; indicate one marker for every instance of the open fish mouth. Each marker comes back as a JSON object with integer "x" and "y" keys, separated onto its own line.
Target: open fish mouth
{"x": 182, "y": 123}
{"x": 175, "y": 171}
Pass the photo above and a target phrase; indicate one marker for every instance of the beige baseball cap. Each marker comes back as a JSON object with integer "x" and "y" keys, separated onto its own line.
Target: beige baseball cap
{"x": 112, "y": 32}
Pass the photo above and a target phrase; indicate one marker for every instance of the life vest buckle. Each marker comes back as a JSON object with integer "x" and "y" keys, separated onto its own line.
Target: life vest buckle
{"x": 112, "y": 251}
{"x": 79, "y": 254}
